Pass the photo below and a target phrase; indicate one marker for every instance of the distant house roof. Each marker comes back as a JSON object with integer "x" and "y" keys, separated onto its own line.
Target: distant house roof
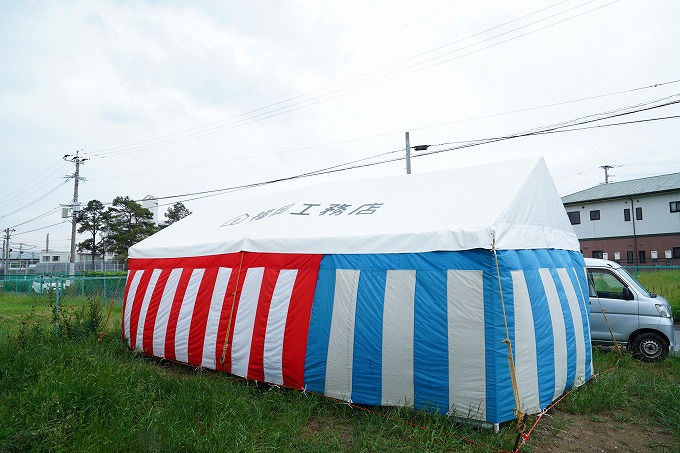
{"x": 642, "y": 186}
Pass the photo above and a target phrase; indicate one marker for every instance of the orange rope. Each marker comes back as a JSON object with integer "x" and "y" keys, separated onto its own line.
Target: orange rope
{"x": 231, "y": 313}
{"x": 525, "y": 437}
{"x": 519, "y": 413}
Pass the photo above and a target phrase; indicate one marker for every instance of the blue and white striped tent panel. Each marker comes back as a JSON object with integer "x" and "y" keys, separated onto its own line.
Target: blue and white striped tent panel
{"x": 426, "y": 330}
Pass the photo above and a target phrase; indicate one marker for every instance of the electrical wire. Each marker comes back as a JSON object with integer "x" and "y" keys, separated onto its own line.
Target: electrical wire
{"x": 28, "y": 183}
{"x": 37, "y": 217}
{"x": 333, "y": 84}
{"x": 42, "y": 197}
{"x": 41, "y": 228}
{"x": 269, "y": 113}
{"x": 544, "y": 106}
{"x": 360, "y": 163}
{"x": 236, "y": 159}
{"x": 45, "y": 182}
{"x": 251, "y": 87}
{"x": 617, "y": 124}
{"x": 331, "y": 169}
{"x": 593, "y": 117}
{"x": 467, "y": 144}
{"x": 398, "y": 132}
{"x": 548, "y": 130}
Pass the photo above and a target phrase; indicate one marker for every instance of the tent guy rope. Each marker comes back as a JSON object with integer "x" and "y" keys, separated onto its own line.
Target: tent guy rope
{"x": 231, "y": 313}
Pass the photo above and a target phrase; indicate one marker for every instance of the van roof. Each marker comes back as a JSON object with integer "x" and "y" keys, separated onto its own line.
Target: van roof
{"x": 597, "y": 262}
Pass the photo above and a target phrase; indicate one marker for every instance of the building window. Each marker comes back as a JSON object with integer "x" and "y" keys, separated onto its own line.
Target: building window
{"x": 55, "y": 258}
{"x": 643, "y": 258}
{"x": 676, "y": 252}
{"x": 630, "y": 257}
{"x": 595, "y": 215}
{"x": 45, "y": 258}
{"x": 675, "y": 206}
{"x": 574, "y": 217}
{"x": 626, "y": 215}
{"x": 638, "y": 213}
{"x": 598, "y": 254}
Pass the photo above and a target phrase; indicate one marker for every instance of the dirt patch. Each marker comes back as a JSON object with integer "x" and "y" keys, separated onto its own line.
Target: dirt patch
{"x": 328, "y": 427}
{"x": 563, "y": 432}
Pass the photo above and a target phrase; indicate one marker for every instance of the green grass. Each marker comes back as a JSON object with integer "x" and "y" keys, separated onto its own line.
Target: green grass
{"x": 16, "y": 310}
{"x": 71, "y": 393}
{"x": 632, "y": 390}
{"x": 666, "y": 283}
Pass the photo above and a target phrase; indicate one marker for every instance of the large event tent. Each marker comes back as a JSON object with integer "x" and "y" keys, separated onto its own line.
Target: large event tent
{"x": 411, "y": 290}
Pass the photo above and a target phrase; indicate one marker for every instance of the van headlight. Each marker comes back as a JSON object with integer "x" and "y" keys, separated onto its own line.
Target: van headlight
{"x": 663, "y": 310}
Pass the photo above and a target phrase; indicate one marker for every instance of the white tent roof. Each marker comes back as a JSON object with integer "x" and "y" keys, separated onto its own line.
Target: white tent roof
{"x": 458, "y": 209}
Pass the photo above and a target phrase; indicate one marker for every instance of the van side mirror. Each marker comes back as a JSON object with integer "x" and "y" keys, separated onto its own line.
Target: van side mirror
{"x": 627, "y": 294}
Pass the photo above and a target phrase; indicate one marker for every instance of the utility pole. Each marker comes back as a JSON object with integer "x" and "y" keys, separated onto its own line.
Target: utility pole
{"x": 8, "y": 233}
{"x": 75, "y": 208}
{"x": 606, "y": 172}
{"x": 408, "y": 155}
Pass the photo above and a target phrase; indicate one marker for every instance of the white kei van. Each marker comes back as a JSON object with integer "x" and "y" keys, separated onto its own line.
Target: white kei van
{"x": 623, "y": 309}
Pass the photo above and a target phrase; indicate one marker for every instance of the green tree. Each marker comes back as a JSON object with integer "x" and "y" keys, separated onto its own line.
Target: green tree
{"x": 176, "y": 212}
{"x": 128, "y": 223}
{"x": 92, "y": 219}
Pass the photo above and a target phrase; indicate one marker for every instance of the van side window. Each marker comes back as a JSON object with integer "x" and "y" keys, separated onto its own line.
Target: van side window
{"x": 591, "y": 285}
{"x": 607, "y": 285}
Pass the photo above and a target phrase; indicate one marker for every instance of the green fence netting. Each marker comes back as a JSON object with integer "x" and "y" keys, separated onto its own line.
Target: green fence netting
{"x": 103, "y": 288}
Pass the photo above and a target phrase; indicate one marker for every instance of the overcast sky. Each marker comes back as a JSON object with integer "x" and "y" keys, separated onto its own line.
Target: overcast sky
{"x": 170, "y": 98}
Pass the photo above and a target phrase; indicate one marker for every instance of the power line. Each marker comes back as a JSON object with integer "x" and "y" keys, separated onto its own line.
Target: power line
{"x": 46, "y": 181}
{"x": 548, "y": 130}
{"x": 593, "y": 117}
{"x": 27, "y": 184}
{"x": 545, "y": 106}
{"x": 201, "y": 131}
{"x": 184, "y": 167}
{"x": 40, "y": 198}
{"x": 343, "y": 167}
{"x": 361, "y": 163}
{"x": 619, "y": 124}
{"x": 331, "y": 85}
{"x": 251, "y": 87}
{"x": 37, "y": 217}
{"x": 326, "y": 170}
{"x": 42, "y": 228}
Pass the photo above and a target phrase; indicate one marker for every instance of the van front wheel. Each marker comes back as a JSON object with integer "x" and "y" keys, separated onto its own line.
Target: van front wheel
{"x": 649, "y": 347}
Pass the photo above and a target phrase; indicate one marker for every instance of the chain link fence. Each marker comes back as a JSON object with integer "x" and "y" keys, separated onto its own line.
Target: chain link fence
{"x": 103, "y": 288}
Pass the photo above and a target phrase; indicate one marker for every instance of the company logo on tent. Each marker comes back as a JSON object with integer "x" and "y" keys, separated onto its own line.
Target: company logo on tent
{"x": 307, "y": 209}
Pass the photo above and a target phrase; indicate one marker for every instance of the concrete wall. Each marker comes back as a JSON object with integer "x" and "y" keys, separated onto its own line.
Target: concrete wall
{"x": 656, "y": 217}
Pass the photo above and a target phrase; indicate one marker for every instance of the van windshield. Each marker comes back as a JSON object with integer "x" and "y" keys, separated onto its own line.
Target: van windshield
{"x": 644, "y": 291}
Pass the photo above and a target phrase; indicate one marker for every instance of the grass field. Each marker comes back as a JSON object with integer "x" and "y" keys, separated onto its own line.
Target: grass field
{"x": 71, "y": 393}
{"x": 665, "y": 283}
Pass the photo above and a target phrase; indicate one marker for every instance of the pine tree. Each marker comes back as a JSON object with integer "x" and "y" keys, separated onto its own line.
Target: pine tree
{"x": 128, "y": 222}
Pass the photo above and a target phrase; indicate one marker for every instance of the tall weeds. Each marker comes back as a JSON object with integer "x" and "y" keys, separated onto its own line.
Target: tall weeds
{"x": 77, "y": 320}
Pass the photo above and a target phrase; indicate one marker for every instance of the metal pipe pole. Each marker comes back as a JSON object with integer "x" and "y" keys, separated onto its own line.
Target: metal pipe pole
{"x": 408, "y": 155}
